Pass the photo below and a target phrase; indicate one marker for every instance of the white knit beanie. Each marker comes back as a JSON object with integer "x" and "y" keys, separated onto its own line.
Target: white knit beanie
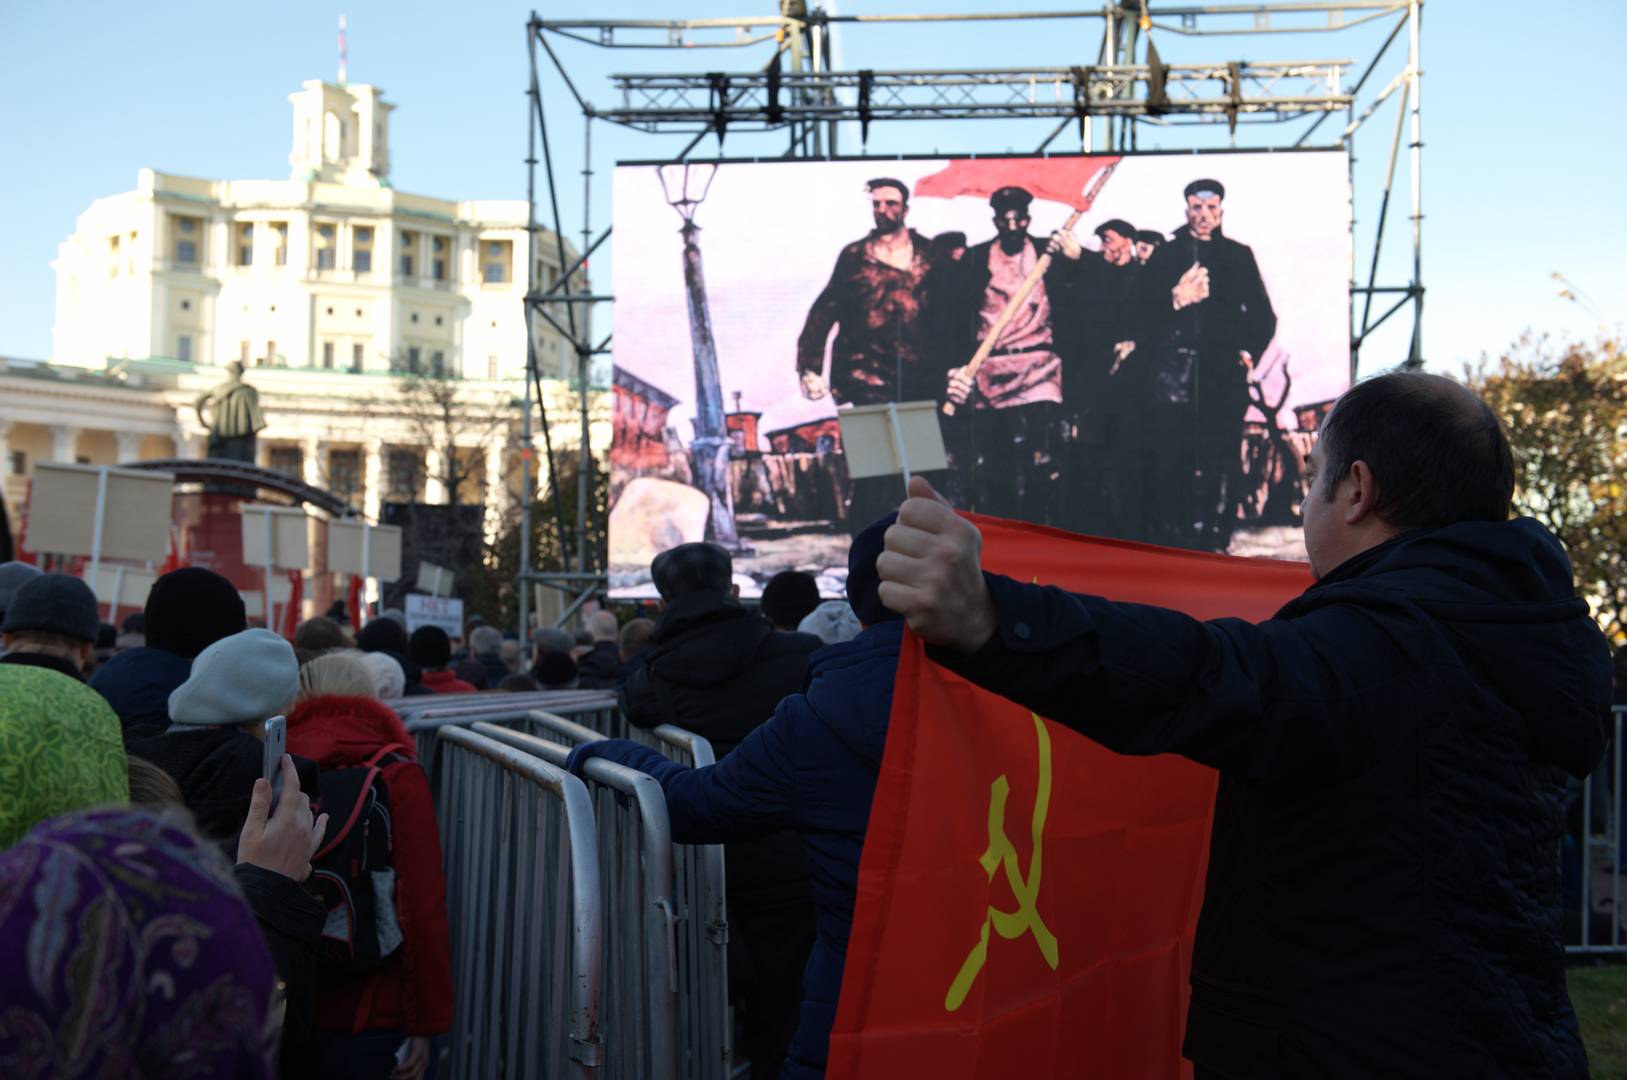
{"x": 242, "y": 679}
{"x": 388, "y": 678}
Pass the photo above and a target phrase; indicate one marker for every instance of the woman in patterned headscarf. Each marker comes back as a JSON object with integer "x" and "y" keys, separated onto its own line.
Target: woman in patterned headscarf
{"x": 126, "y": 950}
{"x": 60, "y": 749}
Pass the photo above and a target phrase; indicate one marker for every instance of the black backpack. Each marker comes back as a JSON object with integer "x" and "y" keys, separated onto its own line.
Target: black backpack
{"x": 351, "y": 873}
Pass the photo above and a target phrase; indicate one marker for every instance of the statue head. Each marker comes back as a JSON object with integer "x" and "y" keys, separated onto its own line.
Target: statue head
{"x": 235, "y": 369}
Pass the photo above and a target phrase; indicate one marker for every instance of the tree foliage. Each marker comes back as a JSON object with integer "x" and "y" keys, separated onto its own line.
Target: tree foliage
{"x": 1566, "y": 413}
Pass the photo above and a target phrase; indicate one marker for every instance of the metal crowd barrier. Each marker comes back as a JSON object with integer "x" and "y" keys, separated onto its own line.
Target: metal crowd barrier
{"x": 638, "y": 1020}
{"x": 705, "y": 1027}
{"x": 425, "y": 715}
{"x": 518, "y": 839}
{"x": 1595, "y": 854}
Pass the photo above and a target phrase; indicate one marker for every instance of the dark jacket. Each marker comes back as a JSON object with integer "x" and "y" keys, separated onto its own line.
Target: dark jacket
{"x": 412, "y": 992}
{"x": 1236, "y": 317}
{"x": 46, "y": 661}
{"x": 215, "y": 768}
{"x": 957, "y": 305}
{"x": 291, "y": 920}
{"x": 811, "y": 768}
{"x": 138, "y": 683}
{"x": 716, "y": 669}
{"x": 492, "y": 666}
{"x": 599, "y": 669}
{"x": 1383, "y": 884}
{"x": 882, "y": 351}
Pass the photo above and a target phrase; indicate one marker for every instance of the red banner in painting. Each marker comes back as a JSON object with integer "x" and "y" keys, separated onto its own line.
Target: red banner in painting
{"x": 1026, "y": 898}
{"x": 1064, "y": 179}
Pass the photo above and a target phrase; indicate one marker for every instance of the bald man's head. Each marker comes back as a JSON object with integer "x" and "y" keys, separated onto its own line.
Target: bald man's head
{"x": 1437, "y": 452}
{"x": 603, "y": 626}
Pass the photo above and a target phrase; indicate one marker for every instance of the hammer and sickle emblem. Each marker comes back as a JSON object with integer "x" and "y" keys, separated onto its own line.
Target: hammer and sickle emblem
{"x": 1011, "y": 924}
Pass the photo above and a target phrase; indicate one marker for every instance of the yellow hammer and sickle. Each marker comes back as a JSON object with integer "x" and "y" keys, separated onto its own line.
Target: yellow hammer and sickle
{"x": 1011, "y": 924}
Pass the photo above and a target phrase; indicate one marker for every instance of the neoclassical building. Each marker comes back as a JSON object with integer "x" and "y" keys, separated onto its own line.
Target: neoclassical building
{"x": 329, "y": 287}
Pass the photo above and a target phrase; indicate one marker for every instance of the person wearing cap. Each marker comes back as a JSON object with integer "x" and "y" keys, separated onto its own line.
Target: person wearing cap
{"x": 788, "y": 598}
{"x": 714, "y": 668}
{"x": 1147, "y": 242}
{"x": 1203, "y": 320}
{"x": 12, "y": 577}
{"x": 52, "y": 622}
{"x": 1010, "y": 408}
{"x": 388, "y": 635}
{"x": 431, "y": 649}
{"x": 552, "y": 666}
{"x": 811, "y": 768}
{"x": 876, "y": 301}
{"x": 187, "y": 611}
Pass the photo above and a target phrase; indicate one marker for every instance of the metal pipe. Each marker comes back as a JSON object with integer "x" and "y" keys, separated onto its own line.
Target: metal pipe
{"x": 1415, "y": 357}
{"x": 1383, "y": 212}
{"x": 584, "y": 361}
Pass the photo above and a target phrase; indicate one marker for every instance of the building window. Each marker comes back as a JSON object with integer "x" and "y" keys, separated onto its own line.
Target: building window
{"x": 440, "y": 320}
{"x": 327, "y": 355}
{"x": 279, "y": 243}
{"x": 327, "y": 237}
{"x": 356, "y": 358}
{"x": 345, "y": 472}
{"x": 245, "y": 243}
{"x": 186, "y": 305}
{"x": 414, "y": 316}
{"x": 405, "y": 474}
{"x": 188, "y": 239}
{"x": 496, "y": 262}
{"x": 243, "y": 354}
{"x": 113, "y": 255}
{"x": 183, "y": 348}
{"x": 437, "y": 364}
{"x": 415, "y": 359}
{"x": 19, "y": 462}
{"x": 361, "y": 249}
{"x": 440, "y": 250}
{"x": 409, "y": 252}
{"x": 289, "y": 460}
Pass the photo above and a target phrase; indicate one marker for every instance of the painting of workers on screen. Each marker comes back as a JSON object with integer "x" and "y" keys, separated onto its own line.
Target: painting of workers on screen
{"x": 1138, "y": 347}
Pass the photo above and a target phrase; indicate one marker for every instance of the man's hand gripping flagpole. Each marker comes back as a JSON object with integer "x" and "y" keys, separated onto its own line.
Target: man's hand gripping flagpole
{"x": 931, "y": 572}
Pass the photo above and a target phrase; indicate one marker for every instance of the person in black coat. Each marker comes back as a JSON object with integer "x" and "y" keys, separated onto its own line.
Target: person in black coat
{"x": 1383, "y": 894}
{"x": 716, "y": 669}
{"x": 1203, "y": 322}
{"x": 812, "y": 768}
{"x": 600, "y": 667}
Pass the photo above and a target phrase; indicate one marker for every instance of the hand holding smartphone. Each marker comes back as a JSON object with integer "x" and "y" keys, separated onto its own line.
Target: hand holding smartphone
{"x": 275, "y": 745}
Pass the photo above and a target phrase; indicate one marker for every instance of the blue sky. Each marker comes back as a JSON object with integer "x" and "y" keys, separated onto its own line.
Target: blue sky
{"x": 1521, "y": 169}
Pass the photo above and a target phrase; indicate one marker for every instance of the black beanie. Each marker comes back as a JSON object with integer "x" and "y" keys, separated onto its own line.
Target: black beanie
{"x": 863, "y": 584}
{"x": 431, "y": 648}
{"x": 789, "y": 596}
{"x": 383, "y": 635}
{"x": 190, "y": 609}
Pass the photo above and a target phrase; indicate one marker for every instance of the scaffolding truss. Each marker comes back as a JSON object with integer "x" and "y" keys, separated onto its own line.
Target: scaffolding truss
{"x": 794, "y": 89}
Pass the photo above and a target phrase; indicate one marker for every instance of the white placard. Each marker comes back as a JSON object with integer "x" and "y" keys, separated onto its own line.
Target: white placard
{"x": 435, "y": 580}
{"x": 887, "y": 440}
{"x": 62, "y": 514}
{"x": 345, "y": 549}
{"x": 254, "y": 604}
{"x": 121, "y": 586}
{"x": 442, "y": 611}
{"x": 290, "y": 542}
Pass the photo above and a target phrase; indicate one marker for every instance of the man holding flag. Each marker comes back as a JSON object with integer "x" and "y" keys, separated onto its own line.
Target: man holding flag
{"x": 1382, "y": 895}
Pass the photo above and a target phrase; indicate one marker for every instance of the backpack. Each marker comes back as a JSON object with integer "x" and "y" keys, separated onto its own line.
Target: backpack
{"x": 351, "y": 873}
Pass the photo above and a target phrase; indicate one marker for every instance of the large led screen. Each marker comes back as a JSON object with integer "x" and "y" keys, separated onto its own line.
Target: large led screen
{"x": 1137, "y": 347}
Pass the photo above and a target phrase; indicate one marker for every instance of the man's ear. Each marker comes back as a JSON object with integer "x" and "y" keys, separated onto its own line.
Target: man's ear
{"x": 87, "y": 655}
{"x": 1360, "y": 493}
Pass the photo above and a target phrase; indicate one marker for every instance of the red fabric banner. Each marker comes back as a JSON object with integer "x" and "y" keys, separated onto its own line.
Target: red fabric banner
{"x": 1062, "y": 180}
{"x": 1026, "y": 898}
{"x": 296, "y": 599}
{"x": 353, "y": 603}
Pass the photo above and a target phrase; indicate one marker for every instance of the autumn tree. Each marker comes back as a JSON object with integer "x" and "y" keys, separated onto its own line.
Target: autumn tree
{"x": 1566, "y": 412}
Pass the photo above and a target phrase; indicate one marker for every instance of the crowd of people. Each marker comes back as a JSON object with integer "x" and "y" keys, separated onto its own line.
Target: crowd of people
{"x": 1383, "y": 888}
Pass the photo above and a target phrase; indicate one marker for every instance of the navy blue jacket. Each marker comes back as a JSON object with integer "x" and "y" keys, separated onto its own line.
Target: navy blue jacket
{"x": 138, "y": 682}
{"x": 1383, "y": 885}
{"x": 812, "y": 768}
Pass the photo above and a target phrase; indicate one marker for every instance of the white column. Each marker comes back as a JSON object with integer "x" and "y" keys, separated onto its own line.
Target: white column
{"x": 64, "y": 442}
{"x": 189, "y": 446}
{"x": 434, "y": 490}
{"x": 494, "y": 495}
{"x": 311, "y": 461}
{"x": 129, "y": 446}
{"x": 5, "y": 452}
{"x": 372, "y": 478}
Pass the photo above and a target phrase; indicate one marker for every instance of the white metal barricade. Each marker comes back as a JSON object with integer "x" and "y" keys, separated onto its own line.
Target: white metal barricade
{"x": 640, "y": 1005}
{"x": 705, "y": 1027}
{"x": 523, "y": 901}
{"x": 1593, "y": 853}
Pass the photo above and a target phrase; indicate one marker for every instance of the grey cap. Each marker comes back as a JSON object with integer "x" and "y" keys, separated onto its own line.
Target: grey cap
{"x": 12, "y": 577}
{"x": 553, "y": 639}
{"x": 54, "y": 604}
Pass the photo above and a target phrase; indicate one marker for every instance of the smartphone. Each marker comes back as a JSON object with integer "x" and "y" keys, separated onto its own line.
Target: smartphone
{"x": 276, "y": 745}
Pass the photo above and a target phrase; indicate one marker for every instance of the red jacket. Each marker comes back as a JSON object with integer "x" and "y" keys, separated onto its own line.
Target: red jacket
{"x": 412, "y": 992}
{"x": 446, "y": 681}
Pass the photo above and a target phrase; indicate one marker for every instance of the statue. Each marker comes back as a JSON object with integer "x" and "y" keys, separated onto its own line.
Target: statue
{"x": 234, "y": 417}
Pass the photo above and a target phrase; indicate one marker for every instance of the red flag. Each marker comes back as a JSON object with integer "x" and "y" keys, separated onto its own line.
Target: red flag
{"x": 1062, "y": 180}
{"x": 23, "y": 554}
{"x": 1026, "y": 898}
{"x": 353, "y": 602}
{"x": 296, "y": 598}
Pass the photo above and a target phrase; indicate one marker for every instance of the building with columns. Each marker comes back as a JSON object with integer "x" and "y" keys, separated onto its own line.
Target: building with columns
{"x": 330, "y": 287}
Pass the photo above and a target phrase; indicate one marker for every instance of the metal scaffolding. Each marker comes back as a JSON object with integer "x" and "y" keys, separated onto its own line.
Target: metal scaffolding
{"x": 796, "y": 91}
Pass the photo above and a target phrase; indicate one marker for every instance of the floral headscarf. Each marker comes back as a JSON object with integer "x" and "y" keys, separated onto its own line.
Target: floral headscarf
{"x": 126, "y": 949}
{"x": 61, "y": 749}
